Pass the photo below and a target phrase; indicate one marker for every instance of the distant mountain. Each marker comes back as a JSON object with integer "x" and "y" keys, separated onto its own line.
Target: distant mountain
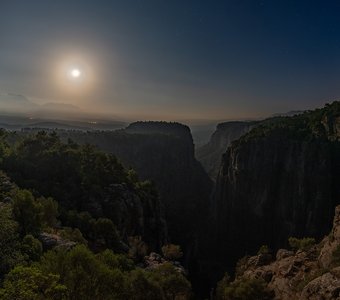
{"x": 59, "y": 106}
{"x": 56, "y": 125}
{"x": 19, "y": 104}
{"x": 15, "y": 103}
{"x": 18, "y": 122}
{"x": 17, "y": 112}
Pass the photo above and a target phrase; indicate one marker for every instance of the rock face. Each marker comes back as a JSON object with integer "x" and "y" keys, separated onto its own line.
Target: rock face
{"x": 168, "y": 128}
{"x": 279, "y": 180}
{"x": 302, "y": 275}
{"x": 210, "y": 155}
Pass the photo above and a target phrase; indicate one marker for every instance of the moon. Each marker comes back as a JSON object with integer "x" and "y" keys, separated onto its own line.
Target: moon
{"x": 75, "y": 73}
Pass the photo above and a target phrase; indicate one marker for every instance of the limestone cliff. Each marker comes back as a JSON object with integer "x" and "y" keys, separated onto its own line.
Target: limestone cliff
{"x": 279, "y": 180}
{"x": 210, "y": 155}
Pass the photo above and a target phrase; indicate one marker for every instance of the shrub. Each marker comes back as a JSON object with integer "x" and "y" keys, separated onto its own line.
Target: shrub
{"x": 27, "y": 212}
{"x": 221, "y": 285}
{"x": 241, "y": 266}
{"x": 303, "y": 244}
{"x": 49, "y": 209}
{"x": 73, "y": 234}
{"x": 9, "y": 240}
{"x": 336, "y": 256}
{"x": 172, "y": 252}
{"x": 106, "y": 231}
{"x": 245, "y": 289}
{"x": 264, "y": 249}
{"x": 30, "y": 283}
{"x": 138, "y": 248}
{"x": 172, "y": 282}
{"x": 31, "y": 248}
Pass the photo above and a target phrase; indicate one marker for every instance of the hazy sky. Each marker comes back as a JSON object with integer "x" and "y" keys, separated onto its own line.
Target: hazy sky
{"x": 173, "y": 59}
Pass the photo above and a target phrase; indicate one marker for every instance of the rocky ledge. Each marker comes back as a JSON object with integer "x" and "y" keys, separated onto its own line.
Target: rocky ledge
{"x": 311, "y": 274}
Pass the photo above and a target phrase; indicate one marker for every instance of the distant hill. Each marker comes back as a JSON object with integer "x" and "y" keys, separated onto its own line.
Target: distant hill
{"x": 16, "y": 103}
{"x": 11, "y": 103}
{"x": 59, "y": 106}
{"x": 11, "y": 122}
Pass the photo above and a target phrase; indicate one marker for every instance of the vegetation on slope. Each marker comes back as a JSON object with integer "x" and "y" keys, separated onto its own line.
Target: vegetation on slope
{"x": 58, "y": 237}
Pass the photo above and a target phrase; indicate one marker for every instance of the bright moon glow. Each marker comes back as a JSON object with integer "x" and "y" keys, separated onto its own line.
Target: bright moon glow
{"x": 75, "y": 73}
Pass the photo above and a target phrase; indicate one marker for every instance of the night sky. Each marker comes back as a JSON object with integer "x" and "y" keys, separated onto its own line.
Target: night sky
{"x": 173, "y": 59}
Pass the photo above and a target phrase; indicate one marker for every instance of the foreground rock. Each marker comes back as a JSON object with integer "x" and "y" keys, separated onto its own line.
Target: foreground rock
{"x": 50, "y": 241}
{"x": 155, "y": 260}
{"x": 307, "y": 275}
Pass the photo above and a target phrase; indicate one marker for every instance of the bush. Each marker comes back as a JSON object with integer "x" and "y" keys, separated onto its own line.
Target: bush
{"x": 30, "y": 283}
{"x": 244, "y": 289}
{"x": 27, "y": 212}
{"x": 108, "y": 276}
{"x": 172, "y": 282}
{"x": 138, "y": 248}
{"x": 336, "y": 256}
{"x": 303, "y": 244}
{"x": 264, "y": 249}
{"x": 73, "y": 234}
{"x": 142, "y": 287}
{"x": 84, "y": 275}
{"x": 221, "y": 285}
{"x": 31, "y": 248}
{"x": 241, "y": 265}
{"x": 106, "y": 232}
{"x": 10, "y": 254}
{"x": 49, "y": 208}
{"x": 172, "y": 252}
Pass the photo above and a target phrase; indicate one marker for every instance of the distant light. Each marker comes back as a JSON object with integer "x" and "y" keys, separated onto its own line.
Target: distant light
{"x": 75, "y": 73}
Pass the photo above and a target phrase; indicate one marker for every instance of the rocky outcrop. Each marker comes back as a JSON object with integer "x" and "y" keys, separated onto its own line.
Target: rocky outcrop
{"x": 281, "y": 179}
{"x": 326, "y": 286}
{"x": 155, "y": 260}
{"x": 303, "y": 274}
{"x": 210, "y": 155}
{"x": 50, "y": 241}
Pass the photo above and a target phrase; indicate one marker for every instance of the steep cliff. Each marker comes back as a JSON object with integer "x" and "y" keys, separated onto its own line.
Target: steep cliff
{"x": 279, "y": 180}
{"x": 164, "y": 153}
{"x": 210, "y": 155}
